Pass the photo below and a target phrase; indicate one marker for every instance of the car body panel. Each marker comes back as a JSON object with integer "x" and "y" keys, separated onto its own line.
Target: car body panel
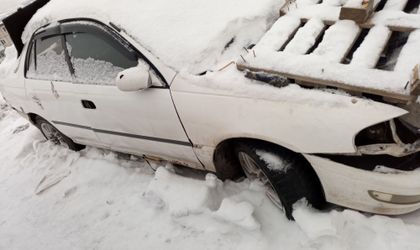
{"x": 348, "y": 186}
{"x": 302, "y": 127}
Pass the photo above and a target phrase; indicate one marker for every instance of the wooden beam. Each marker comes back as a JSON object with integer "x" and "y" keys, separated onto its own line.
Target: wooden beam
{"x": 415, "y": 82}
{"x": 314, "y": 82}
{"x": 369, "y": 25}
{"x": 358, "y": 14}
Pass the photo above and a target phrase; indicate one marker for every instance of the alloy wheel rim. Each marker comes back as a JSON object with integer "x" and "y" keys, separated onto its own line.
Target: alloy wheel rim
{"x": 253, "y": 172}
{"x": 51, "y": 133}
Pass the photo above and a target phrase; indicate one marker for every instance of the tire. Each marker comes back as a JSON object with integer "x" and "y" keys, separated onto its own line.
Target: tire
{"x": 54, "y": 135}
{"x": 296, "y": 181}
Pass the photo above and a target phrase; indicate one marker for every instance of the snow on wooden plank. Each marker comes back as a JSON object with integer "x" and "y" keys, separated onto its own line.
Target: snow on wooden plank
{"x": 306, "y": 37}
{"x": 395, "y": 4}
{"x": 338, "y": 40}
{"x": 364, "y": 51}
{"x": 372, "y": 81}
{"x": 321, "y": 11}
{"x": 281, "y": 32}
{"x": 369, "y": 52}
{"x": 410, "y": 54}
{"x": 395, "y": 19}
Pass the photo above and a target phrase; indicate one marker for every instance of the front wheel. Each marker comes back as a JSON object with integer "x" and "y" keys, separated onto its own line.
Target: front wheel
{"x": 287, "y": 176}
{"x": 54, "y": 135}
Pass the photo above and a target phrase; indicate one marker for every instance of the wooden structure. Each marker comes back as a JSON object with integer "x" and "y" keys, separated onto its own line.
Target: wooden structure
{"x": 370, "y": 54}
{"x": 360, "y": 13}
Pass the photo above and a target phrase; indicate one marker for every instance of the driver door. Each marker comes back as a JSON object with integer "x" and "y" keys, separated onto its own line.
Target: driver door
{"x": 139, "y": 122}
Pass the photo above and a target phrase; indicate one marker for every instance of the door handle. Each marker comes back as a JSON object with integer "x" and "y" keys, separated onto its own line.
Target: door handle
{"x": 88, "y": 104}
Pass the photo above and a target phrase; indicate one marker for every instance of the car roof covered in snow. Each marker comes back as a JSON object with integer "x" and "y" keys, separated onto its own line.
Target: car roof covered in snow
{"x": 191, "y": 35}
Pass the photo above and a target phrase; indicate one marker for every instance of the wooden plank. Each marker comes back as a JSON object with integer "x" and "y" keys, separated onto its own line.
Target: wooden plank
{"x": 306, "y": 37}
{"x": 391, "y": 96}
{"x": 369, "y": 25}
{"x": 415, "y": 82}
{"x": 370, "y": 50}
{"x": 358, "y": 14}
{"x": 280, "y": 33}
{"x": 335, "y": 46}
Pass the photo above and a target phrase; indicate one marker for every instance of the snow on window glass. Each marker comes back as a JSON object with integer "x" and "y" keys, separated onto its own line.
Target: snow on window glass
{"x": 98, "y": 58}
{"x": 50, "y": 61}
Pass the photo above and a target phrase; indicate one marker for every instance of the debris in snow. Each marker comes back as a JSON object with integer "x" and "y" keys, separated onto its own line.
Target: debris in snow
{"x": 274, "y": 162}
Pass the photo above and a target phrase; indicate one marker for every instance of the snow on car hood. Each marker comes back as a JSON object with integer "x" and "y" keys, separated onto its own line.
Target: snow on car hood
{"x": 191, "y": 35}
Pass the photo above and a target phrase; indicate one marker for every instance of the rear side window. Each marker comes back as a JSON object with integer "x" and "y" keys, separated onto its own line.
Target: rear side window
{"x": 97, "y": 58}
{"x": 49, "y": 62}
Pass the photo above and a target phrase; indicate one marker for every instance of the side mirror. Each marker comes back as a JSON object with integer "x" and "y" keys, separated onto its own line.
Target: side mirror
{"x": 134, "y": 79}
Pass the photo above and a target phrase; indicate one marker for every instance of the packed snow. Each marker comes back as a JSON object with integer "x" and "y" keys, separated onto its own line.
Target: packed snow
{"x": 52, "y": 198}
{"x": 305, "y": 38}
{"x": 370, "y": 50}
{"x": 274, "y": 162}
{"x": 337, "y": 39}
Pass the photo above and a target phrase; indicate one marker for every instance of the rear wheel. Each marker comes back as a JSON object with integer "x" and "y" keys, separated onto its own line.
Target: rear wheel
{"x": 54, "y": 135}
{"x": 287, "y": 176}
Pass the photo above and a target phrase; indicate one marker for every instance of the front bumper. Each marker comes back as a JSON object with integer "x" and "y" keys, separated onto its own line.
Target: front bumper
{"x": 393, "y": 193}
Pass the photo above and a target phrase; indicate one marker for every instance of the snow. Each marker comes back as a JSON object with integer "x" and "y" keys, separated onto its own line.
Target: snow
{"x": 409, "y": 54}
{"x": 337, "y": 39}
{"x": 354, "y": 3}
{"x": 50, "y": 66}
{"x": 186, "y": 34}
{"x": 9, "y": 64}
{"x": 369, "y": 52}
{"x": 274, "y": 162}
{"x": 305, "y": 37}
{"x": 278, "y": 34}
{"x": 97, "y": 199}
{"x": 395, "y": 4}
{"x": 94, "y": 71}
{"x": 386, "y": 170}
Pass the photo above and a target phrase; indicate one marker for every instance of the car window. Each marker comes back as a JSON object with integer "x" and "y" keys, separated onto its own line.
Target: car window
{"x": 50, "y": 62}
{"x": 98, "y": 58}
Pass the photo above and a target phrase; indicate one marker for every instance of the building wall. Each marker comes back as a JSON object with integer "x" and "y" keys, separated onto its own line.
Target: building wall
{"x": 4, "y": 37}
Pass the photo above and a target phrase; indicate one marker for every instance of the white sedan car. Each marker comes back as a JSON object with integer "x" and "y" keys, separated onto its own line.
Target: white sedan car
{"x": 86, "y": 81}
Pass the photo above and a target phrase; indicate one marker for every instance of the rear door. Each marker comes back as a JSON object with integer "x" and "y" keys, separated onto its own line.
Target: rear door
{"x": 141, "y": 122}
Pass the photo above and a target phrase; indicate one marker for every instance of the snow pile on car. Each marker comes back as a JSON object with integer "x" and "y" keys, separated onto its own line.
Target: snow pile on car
{"x": 192, "y": 35}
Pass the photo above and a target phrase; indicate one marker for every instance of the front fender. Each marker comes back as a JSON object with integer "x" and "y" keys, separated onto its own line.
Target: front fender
{"x": 302, "y": 120}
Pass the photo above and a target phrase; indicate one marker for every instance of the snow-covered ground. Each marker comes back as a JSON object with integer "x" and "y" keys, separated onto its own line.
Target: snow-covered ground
{"x": 51, "y": 198}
